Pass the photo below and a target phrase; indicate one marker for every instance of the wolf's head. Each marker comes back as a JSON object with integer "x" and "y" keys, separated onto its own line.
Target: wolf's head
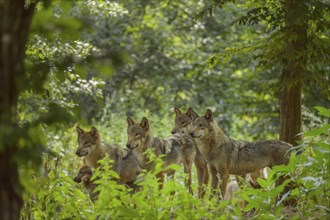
{"x": 138, "y": 134}
{"x": 201, "y": 125}
{"x": 87, "y": 141}
{"x": 86, "y": 180}
{"x": 182, "y": 121}
{"x": 82, "y": 172}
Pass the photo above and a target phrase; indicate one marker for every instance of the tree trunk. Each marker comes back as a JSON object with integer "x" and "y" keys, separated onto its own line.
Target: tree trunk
{"x": 295, "y": 38}
{"x": 290, "y": 109}
{"x": 15, "y": 19}
{"x": 294, "y": 63}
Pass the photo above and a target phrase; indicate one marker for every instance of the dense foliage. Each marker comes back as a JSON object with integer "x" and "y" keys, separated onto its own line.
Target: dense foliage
{"x": 53, "y": 194}
{"x": 95, "y": 62}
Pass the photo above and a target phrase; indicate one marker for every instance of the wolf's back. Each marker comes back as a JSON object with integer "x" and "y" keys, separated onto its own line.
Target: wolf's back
{"x": 278, "y": 150}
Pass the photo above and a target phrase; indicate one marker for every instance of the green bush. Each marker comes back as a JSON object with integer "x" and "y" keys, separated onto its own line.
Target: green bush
{"x": 52, "y": 194}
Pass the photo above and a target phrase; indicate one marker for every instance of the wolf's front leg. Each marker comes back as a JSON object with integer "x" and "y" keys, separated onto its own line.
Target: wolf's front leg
{"x": 224, "y": 180}
{"x": 215, "y": 179}
{"x": 202, "y": 174}
{"x": 160, "y": 179}
{"x": 187, "y": 170}
{"x": 206, "y": 174}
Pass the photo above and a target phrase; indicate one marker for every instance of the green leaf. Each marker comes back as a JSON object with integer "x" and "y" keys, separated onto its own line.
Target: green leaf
{"x": 174, "y": 167}
{"x": 249, "y": 207}
{"x": 263, "y": 183}
{"x": 323, "y": 111}
{"x": 317, "y": 131}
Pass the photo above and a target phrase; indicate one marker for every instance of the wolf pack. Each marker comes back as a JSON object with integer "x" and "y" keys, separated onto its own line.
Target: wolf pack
{"x": 195, "y": 140}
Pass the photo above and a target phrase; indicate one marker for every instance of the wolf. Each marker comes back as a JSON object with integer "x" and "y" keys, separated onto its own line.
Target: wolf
{"x": 176, "y": 148}
{"x": 84, "y": 175}
{"x": 93, "y": 149}
{"x": 182, "y": 125}
{"x": 227, "y": 156}
{"x": 128, "y": 168}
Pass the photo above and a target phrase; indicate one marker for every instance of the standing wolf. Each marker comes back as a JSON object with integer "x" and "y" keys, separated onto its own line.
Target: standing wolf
{"x": 176, "y": 149}
{"x": 91, "y": 147}
{"x": 227, "y": 156}
{"x": 182, "y": 126}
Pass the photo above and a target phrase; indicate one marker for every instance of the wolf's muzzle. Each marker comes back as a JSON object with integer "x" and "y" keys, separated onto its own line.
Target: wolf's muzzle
{"x": 129, "y": 146}
{"x": 81, "y": 153}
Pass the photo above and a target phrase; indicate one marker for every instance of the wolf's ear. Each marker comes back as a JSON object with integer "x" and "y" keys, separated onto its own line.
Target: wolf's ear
{"x": 191, "y": 113}
{"x": 144, "y": 123}
{"x": 79, "y": 130}
{"x": 209, "y": 115}
{"x": 130, "y": 121}
{"x": 177, "y": 111}
{"x": 93, "y": 131}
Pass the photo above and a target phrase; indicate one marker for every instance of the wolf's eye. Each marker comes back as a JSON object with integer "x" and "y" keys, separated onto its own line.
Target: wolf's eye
{"x": 201, "y": 125}
{"x": 138, "y": 135}
{"x": 86, "y": 142}
{"x": 183, "y": 124}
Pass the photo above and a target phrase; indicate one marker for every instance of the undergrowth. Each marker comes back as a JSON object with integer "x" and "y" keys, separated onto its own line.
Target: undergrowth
{"x": 51, "y": 192}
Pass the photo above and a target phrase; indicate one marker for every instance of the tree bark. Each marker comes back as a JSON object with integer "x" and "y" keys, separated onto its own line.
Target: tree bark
{"x": 294, "y": 62}
{"x": 290, "y": 110}
{"x": 15, "y": 19}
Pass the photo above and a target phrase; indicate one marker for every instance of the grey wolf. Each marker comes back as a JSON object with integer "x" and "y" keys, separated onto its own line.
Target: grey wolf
{"x": 84, "y": 175}
{"x": 175, "y": 149}
{"x": 227, "y": 156}
{"x": 182, "y": 125}
{"x": 93, "y": 149}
